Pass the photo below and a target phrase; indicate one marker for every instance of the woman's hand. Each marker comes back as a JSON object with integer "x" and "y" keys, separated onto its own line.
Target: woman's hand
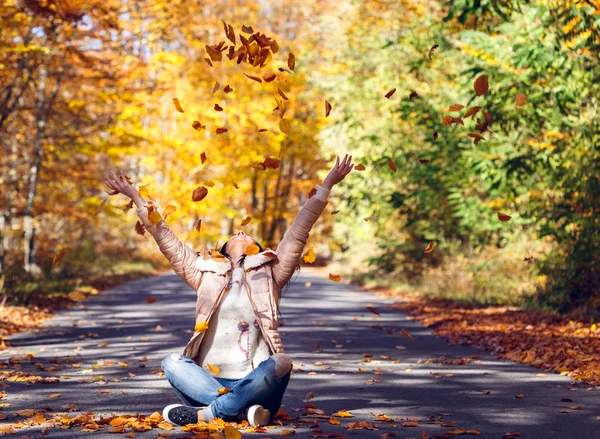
{"x": 338, "y": 172}
{"x": 119, "y": 185}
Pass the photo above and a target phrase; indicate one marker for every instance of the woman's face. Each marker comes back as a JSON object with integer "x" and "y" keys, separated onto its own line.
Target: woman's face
{"x": 238, "y": 243}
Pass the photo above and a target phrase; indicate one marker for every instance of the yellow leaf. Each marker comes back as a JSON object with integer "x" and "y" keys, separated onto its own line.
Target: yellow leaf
{"x": 169, "y": 210}
{"x": 223, "y": 390}
{"x": 285, "y": 126}
{"x": 343, "y": 414}
{"x": 333, "y": 421}
{"x": 213, "y": 369}
{"x": 231, "y": 432}
{"x": 202, "y": 326}
{"x": 309, "y": 256}
{"x": 76, "y": 295}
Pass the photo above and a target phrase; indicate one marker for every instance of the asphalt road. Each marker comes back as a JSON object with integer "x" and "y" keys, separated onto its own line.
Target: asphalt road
{"x": 425, "y": 382}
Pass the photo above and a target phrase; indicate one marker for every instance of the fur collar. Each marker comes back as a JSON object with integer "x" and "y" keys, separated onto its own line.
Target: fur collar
{"x": 223, "y": 267}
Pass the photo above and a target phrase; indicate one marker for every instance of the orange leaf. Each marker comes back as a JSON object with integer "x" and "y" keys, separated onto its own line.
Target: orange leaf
{"x": 151, "y": 300}
{"x": 200, "y": 327}
{"x": 335, "y": 277}
{"x": 327, "y": 108}
{"x": 360, "y": 167}
{"x": 373, "y": 310}
{"x": 59, "y": 256}
{"x": 246, "y": 220}
{"x": 235, "y": 185}
{"x": 410, "y": 424}
{"x": 481, "y": 85}
{"x": 291, "y": 61}
{"x": 252, "y": 249}
{"x": 221, "y": 130}
{"x": 223, "y": 390}
{"x": 471, "y": 111}
{"x": 177, "y": 105}
{"x": 199, "y": 193}
{"x": 429, "y": 247}
{"x": 169, "y": 209}
{"x": 214, "y": 369}
{"x": 407, "y": 335}
{"x": 456, "y": 107}
{"x": 390, "y": 93}
{"x": 520, "y": 99}
{"x": 271, "y": 163}
{"x": 269, "y": 77}
{"x": 333, "y": 421}
{"x": 503, "y": 217}
{"x": 391, "y": 165}
{"x": 247, "y": 29}
{"x": 203, "y": 157}
{"x": 309, "y": 256}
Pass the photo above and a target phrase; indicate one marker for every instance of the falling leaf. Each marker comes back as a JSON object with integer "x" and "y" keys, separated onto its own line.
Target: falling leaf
{"x": 435, "y": 46}
{"x": 169, "y": 209}
{"x": 246, "y": 220}
{"x": 327, "y": 108}
{"x": 198, "y": 225}
{"x": 198, "y": 126}
{"x": 235, "y": 185}
{"x": 59, "y": 256}
{"x": 423, "y": 161}
{"x": 199, "y": 193}
{"x": 429, "y": 247}
{"x": 435, "y": 135}
{"x": 200, "y": 327}
{"x": 456, "y": 107}
{"x": 390, "y": 93}
{"x": 228, "y": 89}
{"x": 360, "y": 167}
{"x": 476, "y": 137}
{"x": 203, "y": 157}
{"x": 254, "y": 78}
{"x": 269, "y": 77}
{"x": 291, "y": 61}
{"x": 282, "y": 94}
{"x": 218, "y": 107}
{"x": 208, "y": 62}
{"x": 221, "y": 130}
{"x": 76, "y": 295}
{"x": 100, "y": 207}
{"x": 407, "y": 335}
{"x": 151, "y": 300}
{"x": 285, "y": 126}
{"x": 481, "y": 85}
{"x": 412, "y": 95}
{"x": 373, "y": 310}
{"x": 209, "y": 183}
{"x": 520, "y": 99}
{"x": 177, "y": 105}
{"x": 252, "y": 249}
{"x": 520, "y": 396}
{"x": 223, "y": 390}
{"x": 309, "y": 256}
{"x": 335, "y": 212}
{"x": 154, "y": 217}
{"x": 335, "y": 277}
{"x": 247, "y": 29}
{"x": 391, "y": 165}
{"x": 262, "y": 130}
{"x": 213, "y": 369}
{"x": 471, "y": 111}
{"x": 503, "y": 217}
{"x": 271, "y": 163}
{"x": 215, "y": 87}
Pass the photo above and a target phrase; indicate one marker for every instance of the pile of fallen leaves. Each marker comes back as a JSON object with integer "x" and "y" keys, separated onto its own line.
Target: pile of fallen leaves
{"x": 553, "y": 343}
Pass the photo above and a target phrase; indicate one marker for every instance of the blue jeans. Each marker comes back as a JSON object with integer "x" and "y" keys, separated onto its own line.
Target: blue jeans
{"x": 197, "y": 388}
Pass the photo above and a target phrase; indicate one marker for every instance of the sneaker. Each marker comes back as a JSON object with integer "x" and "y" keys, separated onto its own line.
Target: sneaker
{"x": 180, "y": 414}
{"x": 257, "y": 415}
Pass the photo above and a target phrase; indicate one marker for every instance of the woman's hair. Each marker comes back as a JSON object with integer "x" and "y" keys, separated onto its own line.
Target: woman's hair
{"x": 223, "y": 251}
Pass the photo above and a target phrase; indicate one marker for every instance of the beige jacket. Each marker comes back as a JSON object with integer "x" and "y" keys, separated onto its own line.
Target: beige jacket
{"x": 264, "y": 276}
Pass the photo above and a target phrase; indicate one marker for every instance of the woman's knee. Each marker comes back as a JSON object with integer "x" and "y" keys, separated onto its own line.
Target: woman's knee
{"x": 169, "y": 362}
{"x": 283, "y": 364}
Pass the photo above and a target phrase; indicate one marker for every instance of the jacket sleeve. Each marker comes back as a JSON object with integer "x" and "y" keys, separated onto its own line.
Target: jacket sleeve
{"x": 182, "y": 258}
{"x": 291, "y": 247}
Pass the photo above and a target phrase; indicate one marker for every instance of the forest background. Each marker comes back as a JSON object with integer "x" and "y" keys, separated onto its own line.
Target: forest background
{"x": 88, "y": 86}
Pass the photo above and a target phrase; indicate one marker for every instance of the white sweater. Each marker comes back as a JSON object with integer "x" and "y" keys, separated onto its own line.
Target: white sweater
{"x": 233, "y": 341}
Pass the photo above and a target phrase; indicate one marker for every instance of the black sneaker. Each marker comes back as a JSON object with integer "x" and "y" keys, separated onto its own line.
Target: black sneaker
{"x": 181, "y": 414}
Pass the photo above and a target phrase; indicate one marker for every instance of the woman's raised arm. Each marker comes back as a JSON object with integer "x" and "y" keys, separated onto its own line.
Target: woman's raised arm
{"x": 289, "y": 250}
{"x": 182, "y": 258}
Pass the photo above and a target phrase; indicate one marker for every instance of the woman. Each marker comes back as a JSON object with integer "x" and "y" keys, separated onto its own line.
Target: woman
{"x": 238, "y": 298}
